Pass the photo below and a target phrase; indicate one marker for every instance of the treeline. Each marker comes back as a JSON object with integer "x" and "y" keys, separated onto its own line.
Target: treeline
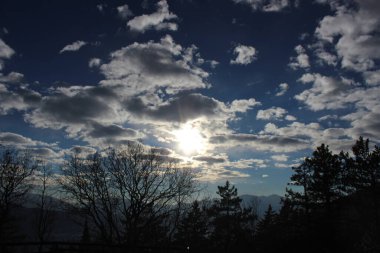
{"x": 138, "y": 198}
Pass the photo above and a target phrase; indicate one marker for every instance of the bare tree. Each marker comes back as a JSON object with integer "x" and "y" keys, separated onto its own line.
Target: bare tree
{"x": 87, "y": 183}
{"x": 126, "y": 193}
{"x": 45, "y": 214}
{"x": 151, "y": 188}
{"x": 15, "y": 168}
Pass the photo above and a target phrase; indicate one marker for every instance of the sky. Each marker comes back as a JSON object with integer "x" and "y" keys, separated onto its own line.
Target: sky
{"x": 239, "y": 90}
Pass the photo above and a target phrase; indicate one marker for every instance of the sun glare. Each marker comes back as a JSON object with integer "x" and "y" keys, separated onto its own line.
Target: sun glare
{"x": 190, "y": 140}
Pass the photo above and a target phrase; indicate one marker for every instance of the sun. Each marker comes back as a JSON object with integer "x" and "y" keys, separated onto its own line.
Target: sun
{"x": 189, "y": 139}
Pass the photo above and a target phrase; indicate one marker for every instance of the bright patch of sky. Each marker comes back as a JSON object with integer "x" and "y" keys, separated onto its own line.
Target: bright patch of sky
{"x": 237, "y": 93}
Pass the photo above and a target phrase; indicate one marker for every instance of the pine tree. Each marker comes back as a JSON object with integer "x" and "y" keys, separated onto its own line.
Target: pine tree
{"x": 321, "y": 179}
{"x": 230, "y": 220}
{"x": 267, "y": 223}
{"x": 192, "y": 230}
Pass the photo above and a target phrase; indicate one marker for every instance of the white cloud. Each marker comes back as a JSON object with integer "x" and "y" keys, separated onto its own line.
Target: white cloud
{"x": 151, "y": 66}
{"x": 328, "y": 117}
{"x": 75, "y": 46}
{"x": 6, "y": 52}
{"x": 217, "y": 167}
{"x": 283, "y": 88}
{"x": 94, "y": 62}
{"x": 265, "y": 5}
{"x": 17, "y": 98}
{"x": 365, "y": 122}
{"x": 213, "y": 64}
{"x": 264, "y": 141}
{"x": 354, "y": 33}
{"x": 13, "y": 77}
{"x": 274, "y": 113}
{"x": 313, "y": 134}
{"x": 285, "y": 166}
{"x": 302, "y": 59}
{"x": 290, "y": 118}
{"x": 244, "y": 55}
{"x": 372, "y": 77}
{"x": 326, "y": 57}
{"x": 124, "y": 12}
{"x": 280, "y": 158}
{"x": 48, "y": 152}
{"x": 242, "y": 105}
{"x": 325, "y": 91}
{"x": 156, "y": 20}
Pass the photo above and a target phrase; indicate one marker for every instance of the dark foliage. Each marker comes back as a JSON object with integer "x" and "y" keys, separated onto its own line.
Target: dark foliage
{"x": 134, "y": 201}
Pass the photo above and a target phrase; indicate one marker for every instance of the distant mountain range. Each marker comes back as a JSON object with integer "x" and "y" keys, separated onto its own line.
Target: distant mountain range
{"x": 66, "y": 229}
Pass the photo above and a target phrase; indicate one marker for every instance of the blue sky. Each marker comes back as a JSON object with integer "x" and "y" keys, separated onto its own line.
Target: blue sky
{"x": 237, "y": 89}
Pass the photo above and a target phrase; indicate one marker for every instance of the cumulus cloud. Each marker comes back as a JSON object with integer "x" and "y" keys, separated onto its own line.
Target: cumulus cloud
{"x": 75, "y": 106}
{"x": 326, "y": 57}
{"x": 333, "y": 93}
{"x": 325, "y": 91}
{"x": 94, "y": 62}
{"x": 157, "y": 20}
{"x": 124, "y": 12}
{"x": 354, "y": 33}
{"x": 243, "y": 105}
{"x": 151, "y": 66}
{"x": 290, "y": 118}
{"x": 13, "y": 77}
{"x": 178, "y": 109}
{"x": 75, "y": 46}
{"x": 282, "y": 89}
{"x": 265, "y": 5}
{"x": 280, "y": 158}
{"x": 38, "y": 149}
{"x": 216, "y": 167}
{"x": 17, "y": 98}
{"x": 372, "y": 77}
{"x": 365, "y": 122}
{"x": 301, "y": 60}
{"x": 137, "y": 92}
{"x": 262, "y": 141}
{"x": 103, "y": 131}
{"x": 244, "y": 55}
{"x": 293, "y": 137}
{"x": 12, "y": 139}
{"x": 6, "y": 52}
{"x": 312, "y": 133}
{"x": 274, "y": 113}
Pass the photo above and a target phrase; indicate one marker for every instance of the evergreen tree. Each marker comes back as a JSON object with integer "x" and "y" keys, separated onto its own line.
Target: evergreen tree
{"x": 321, "y": 177}
{"x": 230, "y": 229}
{"x": 302, "y": 178}
{"x": 366, "y": 177}
{"x": 326, "y": 177}
{"x": 366, "y": 165}
{"x": 192, "y": 230}
{"x": 267, "y": 223}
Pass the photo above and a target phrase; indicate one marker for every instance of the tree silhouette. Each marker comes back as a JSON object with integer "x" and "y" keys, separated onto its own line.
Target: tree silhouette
{"x": 127, "y": 194}
{"x": 193, "y": 228}
{"x": 15, "y": 169}
{"x": 230, "y": 221}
